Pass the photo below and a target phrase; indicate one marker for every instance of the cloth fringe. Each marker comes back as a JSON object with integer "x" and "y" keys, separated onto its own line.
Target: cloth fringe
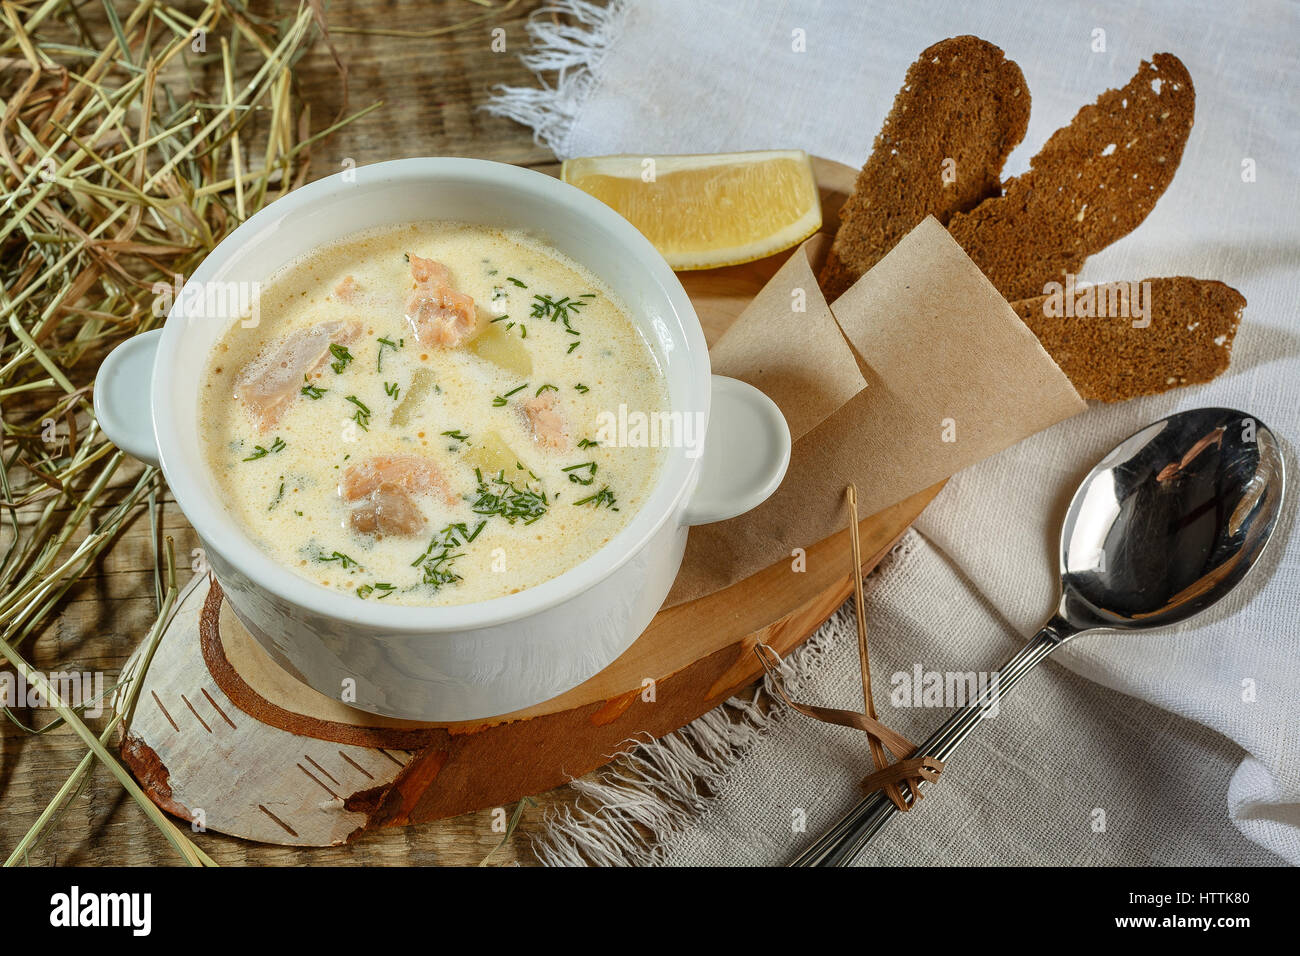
{"x": 626, "y": 814}
{"x": 571, "y": 49}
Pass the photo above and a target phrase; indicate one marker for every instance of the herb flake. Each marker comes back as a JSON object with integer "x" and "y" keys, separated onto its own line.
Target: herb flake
{"x": 260, "y": 452}
{"x": 312, "y": 391}
{"x": 499, "y": 496}
{"x": 342, "y": 357}
{"x": 603, "y": 498}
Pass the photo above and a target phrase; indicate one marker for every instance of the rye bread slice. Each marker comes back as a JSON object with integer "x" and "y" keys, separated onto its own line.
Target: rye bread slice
{"x": 961, "y": 101}
{"x": 1188, "y": 341}
{"x": 1093, "y": 182}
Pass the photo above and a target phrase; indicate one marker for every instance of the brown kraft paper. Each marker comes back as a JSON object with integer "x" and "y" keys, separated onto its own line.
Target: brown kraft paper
{"x": 952, "y": 376}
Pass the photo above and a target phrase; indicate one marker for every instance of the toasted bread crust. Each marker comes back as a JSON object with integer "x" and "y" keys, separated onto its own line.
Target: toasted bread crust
{"x": 962, "y": 102}
{"x": 1093, "y": 182}
{"x": 1188, "y": 341}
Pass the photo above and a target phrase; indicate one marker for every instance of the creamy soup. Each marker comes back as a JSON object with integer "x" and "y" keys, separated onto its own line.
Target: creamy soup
{"x": 415, "y": 416}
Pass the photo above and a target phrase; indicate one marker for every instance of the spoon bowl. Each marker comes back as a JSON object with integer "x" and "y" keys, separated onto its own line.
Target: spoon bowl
{"x": 1170, "y": 521}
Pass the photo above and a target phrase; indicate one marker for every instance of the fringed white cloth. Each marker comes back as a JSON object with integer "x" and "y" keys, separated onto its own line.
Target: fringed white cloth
{"x": 570, "y": 48}
{"x": 628, "y": 813}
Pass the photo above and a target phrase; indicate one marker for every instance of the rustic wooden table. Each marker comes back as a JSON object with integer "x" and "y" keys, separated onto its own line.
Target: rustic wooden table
{"x": 431, "y": 90}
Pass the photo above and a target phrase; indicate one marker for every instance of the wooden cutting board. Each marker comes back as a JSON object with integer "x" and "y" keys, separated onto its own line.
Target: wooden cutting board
{"x": 223, "y": 736}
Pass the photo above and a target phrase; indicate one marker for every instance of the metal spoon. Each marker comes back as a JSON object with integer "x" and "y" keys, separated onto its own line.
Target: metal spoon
{"x": 1161, "y": 528}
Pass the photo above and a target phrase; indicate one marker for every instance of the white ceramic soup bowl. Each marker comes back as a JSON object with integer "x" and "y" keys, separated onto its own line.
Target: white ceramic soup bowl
{"x": 468, "y": 661}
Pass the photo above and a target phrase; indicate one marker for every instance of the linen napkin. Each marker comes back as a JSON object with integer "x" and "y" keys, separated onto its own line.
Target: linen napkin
{"x": 1068, "y": 772}
{"x": 704, "y": 75}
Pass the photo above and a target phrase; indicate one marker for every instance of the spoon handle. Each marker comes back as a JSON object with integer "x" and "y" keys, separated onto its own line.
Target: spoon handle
{"x": 842, "y": 842}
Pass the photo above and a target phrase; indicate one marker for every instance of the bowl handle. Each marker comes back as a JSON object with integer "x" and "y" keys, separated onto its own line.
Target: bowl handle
{"x": 123, "y": 403}
{"x": 747, "y": 450}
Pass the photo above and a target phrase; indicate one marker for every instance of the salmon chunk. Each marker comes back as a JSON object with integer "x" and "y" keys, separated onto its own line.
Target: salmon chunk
{"x": 410, "y": 474}
{"x": 274, "y": 378}
{"x": 347, "y": 289}
{"x": 386, "y": 510}
{"x": 438, "y": 314}
{"x": 546, "y": 418}
{"x": 429, "y": 272}
{"x": 384, "y": 489}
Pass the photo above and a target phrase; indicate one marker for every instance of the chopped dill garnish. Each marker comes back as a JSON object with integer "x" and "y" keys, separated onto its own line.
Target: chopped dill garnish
{"x": 456, "y": 434}
{"x": 279, "y": 495}
{"x": 366, "y": 590}
{"x": 515, "y": 281}
{"x": 604, "y": 498}
{"x": 391, "y": 390}
{"x": 499, "y": 496}
{"x": 385, "y": 343}
{"x": 523, "y": 329}
{"x": 583, "y": 389}
{"x": 501, "y": 399}
{"x": 342, "y": 356}
{"x": 438, "y": 557}
{"x": 576, "y": 473}
{"x": 438, "y": 572}
{"x": 312, "y": 391}
{"x": 557, "y": 310}
{"x": 588, "y": 443}
{"x": 345, "y": 562}
{"x": 362, "y": 415}
{"x": 260, "y": 452}
{"x": 452, "y": 536}
{"x": 570, "y": 349}
{"x": 546, "y": 388}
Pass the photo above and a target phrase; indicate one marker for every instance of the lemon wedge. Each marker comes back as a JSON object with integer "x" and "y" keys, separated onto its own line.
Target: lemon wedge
{"x": 708, "y": 210}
